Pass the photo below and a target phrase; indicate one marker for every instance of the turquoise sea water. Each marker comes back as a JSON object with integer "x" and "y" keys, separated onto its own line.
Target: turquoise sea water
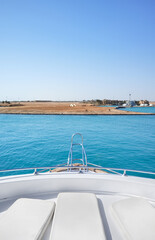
{"x": 110, "y": 141}
{"x": 140, "y": 109}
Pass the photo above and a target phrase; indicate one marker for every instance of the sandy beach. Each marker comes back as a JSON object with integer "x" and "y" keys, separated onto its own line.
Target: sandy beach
{"x": 66, "y": 108}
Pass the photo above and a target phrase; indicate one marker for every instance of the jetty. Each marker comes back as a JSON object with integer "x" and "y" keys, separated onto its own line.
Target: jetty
{"x": 62, "y": 108}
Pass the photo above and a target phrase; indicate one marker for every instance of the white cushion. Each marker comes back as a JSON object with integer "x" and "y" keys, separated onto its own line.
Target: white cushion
{"x": 77, "y": 217}
{"x": 26, "y": 219}
{"x": 136, "y": 217}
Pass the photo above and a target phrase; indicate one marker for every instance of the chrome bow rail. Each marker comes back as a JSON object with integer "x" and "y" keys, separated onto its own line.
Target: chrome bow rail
{"x": 91, "y": 168}
{"x": 83, "y": 158}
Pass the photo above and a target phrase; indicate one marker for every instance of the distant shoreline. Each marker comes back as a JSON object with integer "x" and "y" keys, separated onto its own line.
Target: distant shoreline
{"x": 77, "y": 114}
{"x": 63, "y": 108}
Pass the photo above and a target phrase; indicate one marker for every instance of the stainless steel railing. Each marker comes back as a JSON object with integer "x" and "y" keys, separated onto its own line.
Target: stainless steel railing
{"x": 83, "y": 158}
{"x": 80, "y": 169}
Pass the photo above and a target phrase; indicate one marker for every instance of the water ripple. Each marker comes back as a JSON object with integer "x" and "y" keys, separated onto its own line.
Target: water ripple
{"x": 111, "y": 141}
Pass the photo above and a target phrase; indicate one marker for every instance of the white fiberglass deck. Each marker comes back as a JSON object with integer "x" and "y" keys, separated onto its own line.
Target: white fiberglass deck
{"x": 108, "y": 189}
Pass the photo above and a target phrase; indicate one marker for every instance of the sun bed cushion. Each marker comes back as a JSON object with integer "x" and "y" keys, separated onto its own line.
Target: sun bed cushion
{"x": 136, "y": 217}
{"x": 77, "y": 217}
{"x": 26, "y": 219}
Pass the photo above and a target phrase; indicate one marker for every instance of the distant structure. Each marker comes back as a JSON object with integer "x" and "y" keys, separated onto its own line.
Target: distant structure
{"x": 143, "y": 103}
{"x": 129, "y": 103}
{"x": 72, "y": 105}
{"x": 119, "y": 103}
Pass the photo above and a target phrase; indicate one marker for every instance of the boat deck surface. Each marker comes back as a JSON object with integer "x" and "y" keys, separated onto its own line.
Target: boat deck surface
{"x": 105, "y": 202}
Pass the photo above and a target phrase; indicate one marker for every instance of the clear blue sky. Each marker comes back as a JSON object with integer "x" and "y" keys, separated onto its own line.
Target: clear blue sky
{"x": 77, "y": 49}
